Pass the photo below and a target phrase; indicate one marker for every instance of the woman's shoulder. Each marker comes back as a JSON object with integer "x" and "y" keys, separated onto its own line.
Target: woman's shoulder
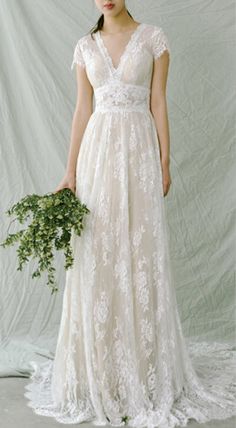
{"x": 153, "y": 29}
{"x": 82, "y": 39}
{"x": 82, "y": 50}
{"x": 157, "y": 39}
{"x": 79, "y": 51}
{"x": 154, "y": 32}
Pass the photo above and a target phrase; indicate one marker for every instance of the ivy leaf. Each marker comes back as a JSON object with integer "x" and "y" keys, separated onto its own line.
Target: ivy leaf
{"x": 53, "y": 218}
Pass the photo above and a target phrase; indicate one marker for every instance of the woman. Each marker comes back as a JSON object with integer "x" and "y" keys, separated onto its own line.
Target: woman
{"x": 121, "y": 355}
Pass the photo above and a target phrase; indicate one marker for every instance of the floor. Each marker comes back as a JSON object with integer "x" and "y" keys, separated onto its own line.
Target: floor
{"x": 16, "y": 414}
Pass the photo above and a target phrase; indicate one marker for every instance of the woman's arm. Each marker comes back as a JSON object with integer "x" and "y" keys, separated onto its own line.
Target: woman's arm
{"x": 82, "y": 113}
{"x": 158, "y": 107}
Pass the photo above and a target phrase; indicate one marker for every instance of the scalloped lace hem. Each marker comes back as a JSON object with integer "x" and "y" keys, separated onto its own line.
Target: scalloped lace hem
{"x": 214, "y": 363}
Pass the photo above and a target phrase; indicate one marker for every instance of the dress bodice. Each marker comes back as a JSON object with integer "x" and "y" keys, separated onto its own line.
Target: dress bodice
{"x": 128, "y": 85}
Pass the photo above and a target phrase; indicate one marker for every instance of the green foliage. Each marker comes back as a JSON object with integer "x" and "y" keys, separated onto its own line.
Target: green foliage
{"x": 53, "y": 216}
{"x": 125, "y": 419}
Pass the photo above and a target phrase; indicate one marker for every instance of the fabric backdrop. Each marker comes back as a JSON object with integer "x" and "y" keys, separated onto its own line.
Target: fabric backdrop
{"x": 38, "y": 94}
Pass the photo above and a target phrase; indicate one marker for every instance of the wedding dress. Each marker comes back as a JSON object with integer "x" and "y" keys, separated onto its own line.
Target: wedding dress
{"x": 121, "y": 356}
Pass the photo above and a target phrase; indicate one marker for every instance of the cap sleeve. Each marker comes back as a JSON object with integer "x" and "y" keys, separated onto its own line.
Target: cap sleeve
{"x": 160, "y": 42}
{"x": 78, "y": 56}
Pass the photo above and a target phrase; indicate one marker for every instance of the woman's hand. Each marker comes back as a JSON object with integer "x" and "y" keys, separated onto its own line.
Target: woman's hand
{"x": 68, "y": 181}
{"x": 166, "y": 178}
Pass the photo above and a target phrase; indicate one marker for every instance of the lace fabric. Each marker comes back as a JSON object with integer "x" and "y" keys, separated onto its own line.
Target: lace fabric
{"x": 207, "y": 395}
{"x": 120, "y": 349}
{"x": 160, "y": 43}
{"x": 122, "y": 97}
{"x": 78, "y": 57}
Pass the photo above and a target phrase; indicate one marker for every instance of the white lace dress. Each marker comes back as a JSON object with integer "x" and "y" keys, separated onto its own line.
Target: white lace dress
{"x": 121, "y": 355}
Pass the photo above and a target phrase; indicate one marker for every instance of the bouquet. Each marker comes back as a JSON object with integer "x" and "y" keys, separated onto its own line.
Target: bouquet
{"x": 54, "y": 216}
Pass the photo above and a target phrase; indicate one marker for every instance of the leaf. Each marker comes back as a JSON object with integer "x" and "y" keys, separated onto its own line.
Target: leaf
{"x": 53, "y": 216}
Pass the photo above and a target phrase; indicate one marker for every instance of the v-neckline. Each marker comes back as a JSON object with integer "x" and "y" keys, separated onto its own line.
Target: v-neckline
{"x": 106, "y": 54}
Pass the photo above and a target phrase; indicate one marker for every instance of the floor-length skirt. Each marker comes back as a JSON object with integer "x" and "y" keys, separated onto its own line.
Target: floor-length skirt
{"x": 121, "y": 356}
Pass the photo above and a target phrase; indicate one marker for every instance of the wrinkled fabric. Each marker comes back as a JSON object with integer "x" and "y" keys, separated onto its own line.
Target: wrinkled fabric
{"x": 121, "y": 350}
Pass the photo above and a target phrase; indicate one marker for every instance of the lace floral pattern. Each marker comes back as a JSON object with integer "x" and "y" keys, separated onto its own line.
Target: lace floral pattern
{"x": 160, "y": 43}
{"x": 120, "y": 349}
{"x": 78, "y": 57}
